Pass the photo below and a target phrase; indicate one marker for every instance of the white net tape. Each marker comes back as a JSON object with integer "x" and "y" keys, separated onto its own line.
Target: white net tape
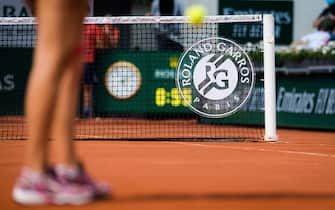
{"x": 141, "y": 19}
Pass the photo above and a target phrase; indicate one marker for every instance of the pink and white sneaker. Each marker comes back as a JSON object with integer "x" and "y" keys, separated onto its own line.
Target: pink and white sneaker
{"x": 34, "y": 188}
{"x": 80, "y": 177}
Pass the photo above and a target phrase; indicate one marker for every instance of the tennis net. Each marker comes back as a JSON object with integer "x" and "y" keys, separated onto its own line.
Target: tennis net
{"x": 151, "y": 78}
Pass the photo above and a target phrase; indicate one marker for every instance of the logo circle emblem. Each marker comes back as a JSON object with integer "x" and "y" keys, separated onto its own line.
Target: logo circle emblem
{"x": 219, "y": 73}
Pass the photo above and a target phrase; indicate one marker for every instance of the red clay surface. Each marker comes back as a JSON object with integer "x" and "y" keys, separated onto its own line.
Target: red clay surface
{"x": 296, "y": 173}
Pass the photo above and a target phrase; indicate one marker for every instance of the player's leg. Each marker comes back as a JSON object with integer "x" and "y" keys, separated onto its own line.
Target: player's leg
{"x": 64, "y": 115}
{"x": 69, "y": 170}
{"x": 59, "y": 35}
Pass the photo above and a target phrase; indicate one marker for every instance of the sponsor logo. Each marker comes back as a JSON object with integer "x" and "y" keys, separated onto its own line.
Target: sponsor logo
{"x": 220, "y": 74}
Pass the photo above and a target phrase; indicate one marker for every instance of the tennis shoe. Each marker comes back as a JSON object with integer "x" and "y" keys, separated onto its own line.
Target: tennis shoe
{"x": 79, "y": 176}
{"x": 33, "y": 188}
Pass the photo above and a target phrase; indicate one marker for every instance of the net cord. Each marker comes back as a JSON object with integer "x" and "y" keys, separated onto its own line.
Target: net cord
{"x": 141, "y": 19}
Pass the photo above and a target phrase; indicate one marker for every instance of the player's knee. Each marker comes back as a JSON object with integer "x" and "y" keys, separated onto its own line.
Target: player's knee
{"x": 58, "y": 63}
{"x": 66, "y": 55}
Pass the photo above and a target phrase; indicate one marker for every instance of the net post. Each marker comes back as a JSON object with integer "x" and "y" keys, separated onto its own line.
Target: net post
{"x": 269, "y": 78}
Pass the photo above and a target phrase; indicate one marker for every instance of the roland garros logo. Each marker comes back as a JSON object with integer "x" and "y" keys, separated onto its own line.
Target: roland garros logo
{"x": 220, "y": 75}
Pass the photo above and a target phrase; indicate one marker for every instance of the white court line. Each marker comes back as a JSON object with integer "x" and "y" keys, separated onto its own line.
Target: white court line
{"x": 307, "y": 144}
{"x": 260, "y": 149}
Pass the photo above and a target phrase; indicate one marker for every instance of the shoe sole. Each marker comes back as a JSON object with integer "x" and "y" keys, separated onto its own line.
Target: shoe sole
{"x": 29, "y": 197}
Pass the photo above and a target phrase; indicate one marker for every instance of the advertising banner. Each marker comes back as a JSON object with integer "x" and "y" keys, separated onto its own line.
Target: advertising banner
{"x": 144, "y": 83}
{"x": 15, "y": 67}
{"x": 282, "y": 11}
{"x": 13, "y": 8}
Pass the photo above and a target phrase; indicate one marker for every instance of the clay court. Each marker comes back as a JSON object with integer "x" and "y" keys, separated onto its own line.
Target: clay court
{"x": 296, "y": 173}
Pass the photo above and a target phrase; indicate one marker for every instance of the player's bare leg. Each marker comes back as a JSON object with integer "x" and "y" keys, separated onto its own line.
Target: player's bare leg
{"x": 59, "y": 36}
{"x": 69, "y": 169}
{"x": 65, "y": 111}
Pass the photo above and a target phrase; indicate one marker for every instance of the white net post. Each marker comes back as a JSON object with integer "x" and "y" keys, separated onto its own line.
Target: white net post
{"x": 269, "y": 79}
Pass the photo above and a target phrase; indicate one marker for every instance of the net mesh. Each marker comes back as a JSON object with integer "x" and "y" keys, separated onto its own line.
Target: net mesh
{"x": 128, "y": 86}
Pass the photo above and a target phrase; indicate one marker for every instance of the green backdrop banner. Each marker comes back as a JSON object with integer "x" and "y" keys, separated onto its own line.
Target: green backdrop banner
{"x": 303, "y": 101}
{"x": 15, "y": 66}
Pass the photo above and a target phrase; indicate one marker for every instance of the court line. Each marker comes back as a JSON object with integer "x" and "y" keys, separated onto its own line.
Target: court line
{"x": 260, "y": 149}
{"x": 308, "y": 144}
